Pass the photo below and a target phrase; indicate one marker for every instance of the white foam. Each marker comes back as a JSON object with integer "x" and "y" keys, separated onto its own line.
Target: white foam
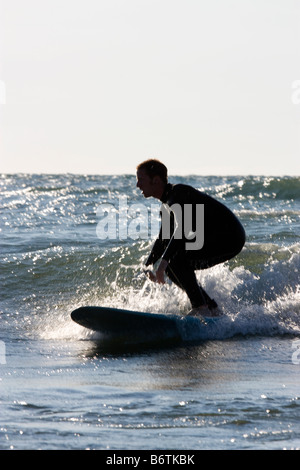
{"x": 263, "y": 303}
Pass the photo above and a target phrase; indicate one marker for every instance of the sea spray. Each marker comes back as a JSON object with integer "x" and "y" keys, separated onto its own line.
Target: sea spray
{"x": 52, "y": 260}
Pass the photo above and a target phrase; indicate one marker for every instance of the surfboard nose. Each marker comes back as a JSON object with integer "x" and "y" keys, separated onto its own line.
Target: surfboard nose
{"x": 77, "y": 314}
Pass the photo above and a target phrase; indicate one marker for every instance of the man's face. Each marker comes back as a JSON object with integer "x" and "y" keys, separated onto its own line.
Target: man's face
{"x": 144, "y": 183}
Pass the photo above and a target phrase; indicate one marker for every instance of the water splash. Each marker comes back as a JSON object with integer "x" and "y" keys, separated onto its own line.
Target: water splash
{"x": 253, "y": 304}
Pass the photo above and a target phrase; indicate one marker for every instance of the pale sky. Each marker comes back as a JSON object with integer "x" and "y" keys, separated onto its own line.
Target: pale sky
{"x": 97, "y": 86}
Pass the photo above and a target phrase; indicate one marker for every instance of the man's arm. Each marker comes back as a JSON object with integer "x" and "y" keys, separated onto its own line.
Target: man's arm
{"x": 156, "y": 252}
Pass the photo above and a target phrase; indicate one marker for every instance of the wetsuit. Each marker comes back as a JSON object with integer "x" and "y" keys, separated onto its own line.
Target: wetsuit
{"x": 224, "y": 237}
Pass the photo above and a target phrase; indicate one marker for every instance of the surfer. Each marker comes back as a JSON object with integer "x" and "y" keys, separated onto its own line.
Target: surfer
{"x": 181, "y": 254}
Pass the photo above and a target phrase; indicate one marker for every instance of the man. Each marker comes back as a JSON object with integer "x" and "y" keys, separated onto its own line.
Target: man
{"x": 180, "y": 252}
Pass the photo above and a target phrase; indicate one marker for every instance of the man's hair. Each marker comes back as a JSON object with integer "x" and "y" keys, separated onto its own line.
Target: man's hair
{"x": 154, "y": 168}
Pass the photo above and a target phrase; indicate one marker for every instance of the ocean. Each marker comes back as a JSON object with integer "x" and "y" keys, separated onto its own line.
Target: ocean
{"x": 73, "y": 240}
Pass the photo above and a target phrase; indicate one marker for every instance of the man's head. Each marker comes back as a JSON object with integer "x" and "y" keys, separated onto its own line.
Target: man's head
{"x": 152, "y": 177}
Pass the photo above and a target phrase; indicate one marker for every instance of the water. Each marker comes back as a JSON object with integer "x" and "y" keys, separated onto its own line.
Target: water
{"x": 232, "y": 386}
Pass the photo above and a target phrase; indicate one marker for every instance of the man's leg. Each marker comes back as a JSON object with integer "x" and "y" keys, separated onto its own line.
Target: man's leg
{"x": 181, "y": 272}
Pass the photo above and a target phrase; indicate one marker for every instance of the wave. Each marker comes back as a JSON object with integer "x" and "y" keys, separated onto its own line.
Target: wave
{"x": 283, "y": 187}
{"x": 52, "y": 261}
{"x": 259, "y": 296}
{"x": 261, "y": 187}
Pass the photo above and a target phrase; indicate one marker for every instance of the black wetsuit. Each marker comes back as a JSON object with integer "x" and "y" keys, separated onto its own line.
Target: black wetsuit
{"x": 224, "y": 237}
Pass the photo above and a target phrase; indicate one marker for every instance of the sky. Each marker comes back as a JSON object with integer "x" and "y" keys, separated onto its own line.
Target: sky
{"x": 97, "y": 86}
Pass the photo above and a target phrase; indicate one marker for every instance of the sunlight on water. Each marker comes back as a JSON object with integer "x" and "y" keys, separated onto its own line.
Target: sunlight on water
{"x": 233, "y": 384}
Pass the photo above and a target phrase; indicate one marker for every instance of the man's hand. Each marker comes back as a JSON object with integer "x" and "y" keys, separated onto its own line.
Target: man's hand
{"x": 158, "y": 276}
{"x": 160, "y": 273}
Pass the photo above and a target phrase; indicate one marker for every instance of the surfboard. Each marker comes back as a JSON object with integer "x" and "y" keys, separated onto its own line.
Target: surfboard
{"x": 129, "y": 327}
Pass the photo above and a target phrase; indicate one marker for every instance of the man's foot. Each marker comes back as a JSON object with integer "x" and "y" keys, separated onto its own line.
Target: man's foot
{"x": 205, "y": 311}
{"x": 211, "y": 303}
{"x": 215, "y": 311}
{"x": 202, "y": 311}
